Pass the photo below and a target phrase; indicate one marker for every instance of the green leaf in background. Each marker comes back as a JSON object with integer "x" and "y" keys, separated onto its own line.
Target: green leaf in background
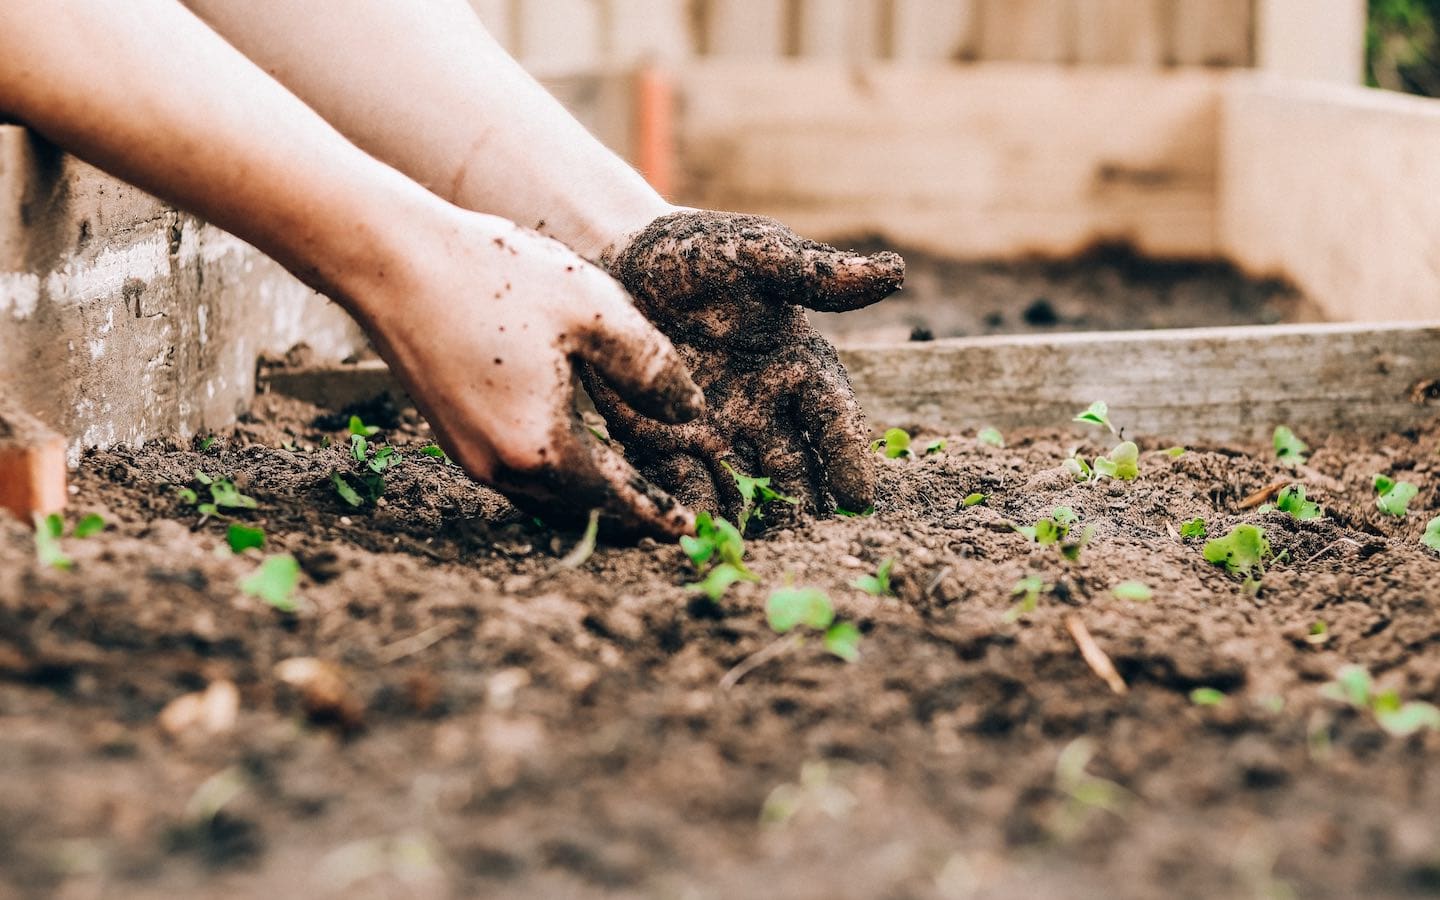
{"x": 243, "y": 537}
{"x": 788, "y": 608}
{"x": 1288, "y": 448}
{"x": 89, "y": 525}
{"x": 991, "y": 436}
{"x": 843, "y": 640}
{"x": 275, "y": 582}
{"x": 1137, "y": 591}
{"x": 48, "y": 530}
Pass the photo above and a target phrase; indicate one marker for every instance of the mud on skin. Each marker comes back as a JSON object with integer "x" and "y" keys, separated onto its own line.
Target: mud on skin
{"x": 731, "y": 291}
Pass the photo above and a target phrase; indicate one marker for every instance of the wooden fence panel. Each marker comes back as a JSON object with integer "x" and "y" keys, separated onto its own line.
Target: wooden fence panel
{"x": 1128, "y": 32}
{"x": 839, "y": 29}
{"x": 933, "y": 30}
{"x": 1212, "y": 32}
{"x": 1027, "y": 30}
{"x": 745, "y": 29}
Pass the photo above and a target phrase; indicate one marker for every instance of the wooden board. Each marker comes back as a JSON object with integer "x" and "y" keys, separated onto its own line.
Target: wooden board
{"x": 1027, "y": 30}
{"x": 1183, "y": 385}
{"x": 744, "y": 29}
{"x": 1211, "y": 32}
{"x": 1338, "y": 189}
{"x": 1124, "y": 32}
{"x": 991, "y": 160}
{"x": 933, "y": 30}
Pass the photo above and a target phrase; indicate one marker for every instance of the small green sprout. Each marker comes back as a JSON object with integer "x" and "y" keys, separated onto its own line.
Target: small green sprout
{"x": 1394, "y": 496}
{"x": 89, "y": 525}
{"x": 343, "y": 488}
{"x": 367, "y": 485}
{"x": 1195, "y": 528}
{"x": 586, "y": 546}
{"x": 894, "y": 445}
{"x": 358, "y": 428}
{"x": 243, "y": 537}
{"x": 974, "y": 499}
{"x": 1122, "y": 463}
{"x": 434, "y": 451}
{"x": 1291, "y": 499}
{"x": 206, "y": 443}
{"x": 1097, "y": 414}
{"x": 1318, "y": 634}
{"x": 1242, "y": 552}
{"x": 223, "y": 495}
{"x": 1085, "y": 794}
{"x": 718, "y": 552}
{"x": 878, "y": 584}
{"x": 1137, "y": 591}
{"x": 852, "y": 514}
{"x": 1289, "y": 448}
{"x": 48, "y": 531}
{"x": 1174, "y": 452}
{"x": 1028, "y": 589}
{"x": 755, "y": 493}
{"x": 1056, "y": 529}
{"x": 789, "y": 608}
{"x": 718, "y": 580}
{"x": 1353, "y": 685}
{"x": 1207, "y": 696}
{"x": 1079, "y": 469}
{"x": 935, "y": 446}
{"x": 275, "y": 582}
{"x": 1431, "y": 537}
{"x": 991, "y": 436}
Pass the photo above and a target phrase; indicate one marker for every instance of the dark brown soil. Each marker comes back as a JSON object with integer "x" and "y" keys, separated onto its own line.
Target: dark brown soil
{"x": 528, "y": 730}
{"x": 1110, "y": 288}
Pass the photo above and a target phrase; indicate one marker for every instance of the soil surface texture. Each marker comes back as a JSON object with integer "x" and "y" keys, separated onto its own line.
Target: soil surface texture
{"x": 1110, "y": 288}
{"x": 453, "y": 712}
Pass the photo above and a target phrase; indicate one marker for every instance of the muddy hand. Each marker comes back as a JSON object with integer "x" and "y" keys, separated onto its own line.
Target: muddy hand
{"x": 485, "y": 332}
{"x": 731, "y": 292}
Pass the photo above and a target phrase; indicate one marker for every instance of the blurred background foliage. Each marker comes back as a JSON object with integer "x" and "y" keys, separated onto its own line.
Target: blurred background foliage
{"x": 1402, "y": 45}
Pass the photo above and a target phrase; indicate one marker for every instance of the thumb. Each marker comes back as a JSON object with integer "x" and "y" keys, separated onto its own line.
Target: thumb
{"x": 837, "y": 280}
{"x": 640, "y": 363}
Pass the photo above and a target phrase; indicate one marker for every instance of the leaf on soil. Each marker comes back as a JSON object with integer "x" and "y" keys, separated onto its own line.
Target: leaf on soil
{"x": 89, "y": 525}
{"x": 843, "y": 640}
{"x": 1289, "y": 448}
{"x": 1097, "y": 414}
{"x": 275, "y": 582}
{"x": 991, "y": 436}
{"x": 877, "y": 585}
{"x": 1394, "y": 496}
{"x": 243, "y": 537}
{"x": 48, "y": 530}
{"x": 1137, "y": 591}
{"x": 788, "y": 608}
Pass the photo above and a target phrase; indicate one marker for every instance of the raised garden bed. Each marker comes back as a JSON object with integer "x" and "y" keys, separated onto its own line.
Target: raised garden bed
{"x": 521, "y": 728}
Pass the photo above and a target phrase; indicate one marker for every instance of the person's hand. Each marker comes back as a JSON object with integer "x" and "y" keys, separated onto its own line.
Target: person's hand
{"x": 485, "y": 326}
{"x": 730, "y": 291}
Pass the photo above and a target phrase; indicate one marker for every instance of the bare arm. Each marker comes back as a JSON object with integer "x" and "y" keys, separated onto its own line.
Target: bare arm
{"x": 425, "y": 88}
{"x": 483, "y": 321}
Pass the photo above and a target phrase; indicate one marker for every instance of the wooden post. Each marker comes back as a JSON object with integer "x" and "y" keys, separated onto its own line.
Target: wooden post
{"x": 1120, "y": 32}
{"x": 32, "y": 465}
{"x": 655, "y": 129}
{"x": 1027, "y": 30}
{"x": 1314, "y": 40}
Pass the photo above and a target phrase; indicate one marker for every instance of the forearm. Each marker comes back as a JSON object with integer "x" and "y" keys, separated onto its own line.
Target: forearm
{"x": 425, "y": 88}
{"x": 146, "y": 91}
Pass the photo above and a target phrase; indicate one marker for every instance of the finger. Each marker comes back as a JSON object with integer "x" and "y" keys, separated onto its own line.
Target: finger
{"x": 687, "y": 479}
{"x": 640, "y": 363}
{"x": 786, "y": 462}
{"x": 838, "y": 280}
{"x": 839, "y": 434}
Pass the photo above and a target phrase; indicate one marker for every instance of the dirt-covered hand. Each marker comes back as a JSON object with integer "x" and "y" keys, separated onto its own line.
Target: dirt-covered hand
{"x": 731, "y": 292}
{"x": 485, "y": 328}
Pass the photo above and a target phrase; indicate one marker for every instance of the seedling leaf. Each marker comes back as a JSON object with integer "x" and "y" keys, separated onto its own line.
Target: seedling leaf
{"x": 935, "y": 446}
{"x": 1241, "y": 552}
{"x": 275, "y": 582}
{"x": 991, "y": 436}
{"x": 788, "y": 608}
{"x": 1097, "y": 414}
{"x": 1394, "y": 496}
{"x": 1292, "y": 500}
{"x": 435, "y": 451}
{"x": 243, "y": 537}
{"x": 1193, "y": 528}
{"x": 1028, "y": 589}
{"x": 48, "y": 530}
{"x": 718, "y": 580}
{"x": 1122, "y": 463}
{"x": 343, "y": 488}
{"x": 843, "y": 640}
{"x": 974, "y": 499}
{"x": 1289, "y": 448}
{"x": 224, "y": 494}
{"x": 1431, "y": 537}
{"x": 1206, "y": 696}
{"x": 89, "y": 525}
{"x": 1409, "y": 718}
{"x": 360, "y": 429}
{"x": 1137, "y": 591}
{"x": 852, "y": 514}
{"x": 895, "y": 444}
{"x": 754, "y": 494}
{"x": 878, "y": 584}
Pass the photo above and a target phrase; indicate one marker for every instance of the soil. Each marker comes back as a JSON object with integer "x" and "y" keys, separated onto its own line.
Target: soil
{"x": 1109, "y": 288}
{"x": 495, "y": 724}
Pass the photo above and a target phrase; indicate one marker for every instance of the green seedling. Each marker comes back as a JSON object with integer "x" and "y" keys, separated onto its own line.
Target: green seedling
{"x": 991, "y": 436}
{"x": 1174, "y": 452}
{"x": 582, "y": 551}
{"x": 89, "y": 525}
{"x": 895, "y": 444}
{"x": 790, "y": 608}
{"x": 1122, "y": 463}
{"x": 1242, "y": 552}
{"x": 1097, "y": 414}
{"x": 1292, "y": 500}
{"x": 1431, "y": 537}
{"x": 877, "y": 585}
{"x": 1137, "y": 591}
{"x": 1318, "y": 634}
{"x": 223, "y": 495}
{"x": 243, "y": 537}
{"x": 1028, "y": 590}
{"x": 1394, "y": 496}
{"x": 358, "y": 428}
{"x": 1085, "y": 794}
{"x": 1353, "y": 685}
{"x": 935, "y": 446}
{"x": 852, "y": 514}
{"x": 434, "y": 451}
{"x": 206, "y": 443}
{"x": 275, "y": 582}
{"x": 1079, "y": 469}
{"x": 755, "y": 493}
{"x": 1289, "y": 448}
{"x": 1195, "y": 528}
{"x": 974, "y": 499}
{"x": 718, "y": 552}
{"x": 1207, "y": 696}
{"x": 368, "y": 484}
{"x": 48, "y": 531}
{"x": 1056, "y": 529}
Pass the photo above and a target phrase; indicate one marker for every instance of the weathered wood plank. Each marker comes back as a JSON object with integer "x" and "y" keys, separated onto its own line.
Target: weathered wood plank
{"x": 745, "y": 29}
{"x": 933, "y": 30}
{"x": 1335, "y": 187}
{"x": 1116, "y": 32}
{"x": 995, "y": 159}
{"x": 838, "y": 29}
{"x": 1184, "y": 385}
{"x": 1211, "y": 32}
{"x": 1027, "y": 30}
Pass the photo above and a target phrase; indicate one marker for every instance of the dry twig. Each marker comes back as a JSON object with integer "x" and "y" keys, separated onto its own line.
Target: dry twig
{"x": 1094, "y": 656}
